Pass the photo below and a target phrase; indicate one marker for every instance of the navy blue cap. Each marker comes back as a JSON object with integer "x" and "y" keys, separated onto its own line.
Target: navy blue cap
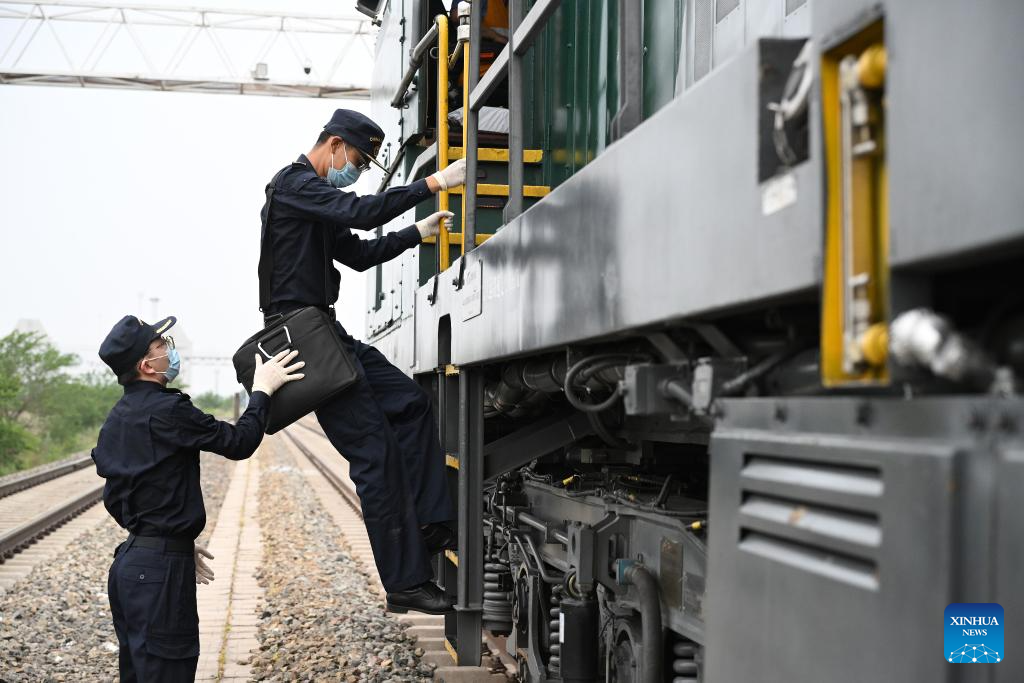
{"x": 128, "y": 341}
{"x": 359, "y": 131}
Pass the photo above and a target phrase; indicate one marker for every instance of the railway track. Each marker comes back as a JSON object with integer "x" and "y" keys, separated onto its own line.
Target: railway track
{"x": 26, "y": 480}
{"x": 35, "y": 505}
{"x": 342, "y": 485}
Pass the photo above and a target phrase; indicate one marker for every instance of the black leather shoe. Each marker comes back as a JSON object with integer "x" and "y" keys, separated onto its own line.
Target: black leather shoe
{"x": 438, "y": 537}
{"x": 426, "y": 597}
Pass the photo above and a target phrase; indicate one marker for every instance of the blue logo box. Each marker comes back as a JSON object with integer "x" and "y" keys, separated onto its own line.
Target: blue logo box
{"x": 974, "y": 633}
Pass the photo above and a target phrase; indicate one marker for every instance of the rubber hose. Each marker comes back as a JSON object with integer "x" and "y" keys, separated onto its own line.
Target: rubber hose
{"x": 650, "y": 622}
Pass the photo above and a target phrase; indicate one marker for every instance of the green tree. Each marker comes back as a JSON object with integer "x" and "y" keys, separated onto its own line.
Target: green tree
{"x": 75, "y": 408}
{"x": 44, "y": 412}
{"x": 30, "y": 369}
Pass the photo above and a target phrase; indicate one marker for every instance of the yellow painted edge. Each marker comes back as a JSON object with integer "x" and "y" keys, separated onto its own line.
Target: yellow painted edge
{"x": 451, "y": 461}
{"x": 451, "y": 651}
{"x": 831, "y": 287}
{"x": 450, "y": 370}
{"x": 831, "y": 341}
{"x": 530, "y": 156}
{"x": 452, "y": 557}
{"x": 502, "y": 190}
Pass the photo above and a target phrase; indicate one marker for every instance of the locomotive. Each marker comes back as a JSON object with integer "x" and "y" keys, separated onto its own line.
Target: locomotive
{"x": 727, "y": 337}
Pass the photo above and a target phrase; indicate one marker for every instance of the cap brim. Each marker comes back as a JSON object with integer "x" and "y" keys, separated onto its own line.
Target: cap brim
{"x": 160, "y": 328}
{"x": 373, "y": 159}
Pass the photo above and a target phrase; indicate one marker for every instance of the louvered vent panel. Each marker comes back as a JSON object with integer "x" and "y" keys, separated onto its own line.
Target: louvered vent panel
{"x": 818, "y": 517}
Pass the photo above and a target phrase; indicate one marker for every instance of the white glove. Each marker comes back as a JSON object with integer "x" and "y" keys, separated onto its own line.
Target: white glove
{"x": 431, "y": 225}
{"x": 452, "y": 175}
{"x": 204, "y": 574}
{"x": 270, "y": 376}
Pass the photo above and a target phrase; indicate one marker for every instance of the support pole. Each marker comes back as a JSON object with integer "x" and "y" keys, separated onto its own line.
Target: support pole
{"x": 514, "y": 207}
{"x": 469, "y": 607}
{"x": 470, "y": 121}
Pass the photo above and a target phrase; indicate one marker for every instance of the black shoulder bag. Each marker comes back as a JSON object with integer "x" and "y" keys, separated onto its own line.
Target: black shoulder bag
{"x": 329, "y": 369}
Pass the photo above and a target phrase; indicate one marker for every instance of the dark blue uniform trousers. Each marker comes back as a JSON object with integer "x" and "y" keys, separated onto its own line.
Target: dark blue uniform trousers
{"x": 153, "y": 601}
{"x": 384, "y": 426}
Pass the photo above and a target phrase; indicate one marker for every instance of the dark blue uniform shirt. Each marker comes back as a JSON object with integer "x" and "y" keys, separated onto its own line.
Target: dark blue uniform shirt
{"x": 304, "y": 206}
{"x": 148, "y": 451}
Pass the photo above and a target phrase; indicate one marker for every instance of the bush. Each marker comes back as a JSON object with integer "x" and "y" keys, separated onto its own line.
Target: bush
{"x": 210, "y": 402}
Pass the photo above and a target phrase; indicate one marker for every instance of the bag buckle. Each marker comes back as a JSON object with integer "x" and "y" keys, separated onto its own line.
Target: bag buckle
{"x": 287, "y": 334}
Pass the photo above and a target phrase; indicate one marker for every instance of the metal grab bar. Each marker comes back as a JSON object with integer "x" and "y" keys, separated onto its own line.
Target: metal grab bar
{"x": 441, "y": 31}
{"x": 443, "y": 65}
{"x": 415, "y": 62}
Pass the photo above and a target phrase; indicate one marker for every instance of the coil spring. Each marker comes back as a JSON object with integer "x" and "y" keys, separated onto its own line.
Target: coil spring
{"x": 497, "y": 604}
{"x": 684, "y": 662}
{"x": 554, "y": 642}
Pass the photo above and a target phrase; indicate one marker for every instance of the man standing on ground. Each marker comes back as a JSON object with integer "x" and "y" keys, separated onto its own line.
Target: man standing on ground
{"x": 384, "y": 424}
{"x": 148, "y": 451}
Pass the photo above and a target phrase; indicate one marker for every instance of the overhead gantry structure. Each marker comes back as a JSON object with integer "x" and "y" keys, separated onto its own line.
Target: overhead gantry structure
{"x": 185, "y": 49}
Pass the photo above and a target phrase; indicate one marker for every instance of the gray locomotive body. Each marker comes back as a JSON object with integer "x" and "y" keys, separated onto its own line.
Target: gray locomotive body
{"x": 735, "y": 397}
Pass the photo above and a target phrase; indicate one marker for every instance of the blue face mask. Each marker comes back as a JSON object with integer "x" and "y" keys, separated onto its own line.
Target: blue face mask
{"x": 345, "y": 176}
{"x": 173, "y": 364}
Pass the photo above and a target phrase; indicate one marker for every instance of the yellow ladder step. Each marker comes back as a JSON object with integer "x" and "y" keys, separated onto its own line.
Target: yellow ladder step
{"x": 452, "y": 556}
{"x": 456, "y": 238}
{"x": 530, "y": 156}
{"x": 502, "y": 190}
{"x": 451, "y": 461}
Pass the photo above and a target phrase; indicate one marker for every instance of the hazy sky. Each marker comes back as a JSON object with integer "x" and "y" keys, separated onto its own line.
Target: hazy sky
{"x": 111, "y": 198}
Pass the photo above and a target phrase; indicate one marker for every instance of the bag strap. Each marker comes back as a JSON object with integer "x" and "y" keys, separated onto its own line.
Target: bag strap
{"x": 265, "y": 269}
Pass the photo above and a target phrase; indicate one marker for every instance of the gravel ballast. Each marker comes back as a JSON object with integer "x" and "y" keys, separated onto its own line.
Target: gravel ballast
{"x": 320, "y": 620}
{"x": 55, "y": 624}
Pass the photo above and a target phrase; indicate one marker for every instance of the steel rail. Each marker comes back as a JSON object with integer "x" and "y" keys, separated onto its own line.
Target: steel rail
{"x": 338, "y": 483}
{"x": 18, "y": 538}
{"x": 27, "y": 482}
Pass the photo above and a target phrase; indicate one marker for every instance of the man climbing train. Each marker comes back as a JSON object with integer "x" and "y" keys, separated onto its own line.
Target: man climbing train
{"x": 384, "y": 425}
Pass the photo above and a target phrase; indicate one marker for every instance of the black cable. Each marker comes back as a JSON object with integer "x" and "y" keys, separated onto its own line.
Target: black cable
{"x": 605, "y": 434}
{"x": 570, "y": 377}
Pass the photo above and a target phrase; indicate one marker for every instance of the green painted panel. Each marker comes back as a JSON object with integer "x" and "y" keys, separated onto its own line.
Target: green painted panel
{"x": 662, "y": 22}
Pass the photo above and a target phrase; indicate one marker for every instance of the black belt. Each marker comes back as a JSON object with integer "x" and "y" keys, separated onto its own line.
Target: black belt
{"x": 162, "y": 543}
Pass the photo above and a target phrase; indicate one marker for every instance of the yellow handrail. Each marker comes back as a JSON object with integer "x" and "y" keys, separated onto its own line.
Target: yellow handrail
{"x": 442, "y": 132}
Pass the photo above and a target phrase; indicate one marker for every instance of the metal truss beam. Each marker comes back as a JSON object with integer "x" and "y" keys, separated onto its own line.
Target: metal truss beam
{"x": 145, "y": 47}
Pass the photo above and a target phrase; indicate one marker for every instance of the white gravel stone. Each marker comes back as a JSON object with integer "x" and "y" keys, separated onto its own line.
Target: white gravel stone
{"x": 319, "y": 620}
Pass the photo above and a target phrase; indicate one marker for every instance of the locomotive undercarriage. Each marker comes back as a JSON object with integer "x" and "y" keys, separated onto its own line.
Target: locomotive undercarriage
{"x": 606, "y": 467}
